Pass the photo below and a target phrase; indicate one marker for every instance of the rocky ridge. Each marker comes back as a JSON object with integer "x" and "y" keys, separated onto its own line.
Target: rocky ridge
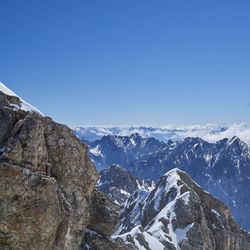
{"x": 179, "y": 214}
{"x": 122, "y": 150}
{"x": 222, "y": 168}
{"x": 47, "y": 183}
{"x": 119, "y": 184}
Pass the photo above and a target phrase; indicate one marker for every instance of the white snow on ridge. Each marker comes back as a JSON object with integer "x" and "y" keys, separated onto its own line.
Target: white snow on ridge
{"x": 216, "y": 212}
{"x": 152, "y": 241}
{"x": 181, "y": 233}
{"x": 96, "y": 151}
{"x": 208, "y": 132}
{"x": 125, "y": 192}
{"x": 155, "y": 233}
{"x": 24, "y": 105}
{"x": 6, "y": 90}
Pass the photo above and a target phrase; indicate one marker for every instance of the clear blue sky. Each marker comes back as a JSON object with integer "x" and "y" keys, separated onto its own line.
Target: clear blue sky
{"x": 129, "y": 61}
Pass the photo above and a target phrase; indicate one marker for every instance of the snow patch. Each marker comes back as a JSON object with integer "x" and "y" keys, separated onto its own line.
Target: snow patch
{"x": 181, "y": 233}
{"x": 216, "y": 212}
{"x": 96, "y": 151}
{"x": 24, "y": 105}
{"x": 125, "y": 192}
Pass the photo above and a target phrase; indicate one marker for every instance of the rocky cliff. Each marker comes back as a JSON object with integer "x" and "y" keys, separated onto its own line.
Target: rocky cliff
{"x": 47, "y": 183}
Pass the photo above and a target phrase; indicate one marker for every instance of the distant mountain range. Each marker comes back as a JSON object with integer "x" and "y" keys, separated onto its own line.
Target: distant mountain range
{"x": 208, "y": 132}
{"x": 222, "y": 168}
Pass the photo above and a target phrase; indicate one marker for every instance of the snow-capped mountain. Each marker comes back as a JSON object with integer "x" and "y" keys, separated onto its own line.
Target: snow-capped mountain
{"x": 17, "y": 102}
{"x": 122, "y": 150}
{"x": 178, "y": 214}
{"x": 222, "y": 168}
{"x": 119, "y": 184}
{"x": 208, "y": 132}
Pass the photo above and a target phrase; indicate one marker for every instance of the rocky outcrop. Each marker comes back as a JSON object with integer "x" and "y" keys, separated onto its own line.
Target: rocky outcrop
{"x": 178, "y": 214}
{"x": 103, "y": 220}
{"x": 95, "y": 241}
{"x": 47, "y": 184}
{"x": 120, "y": 184}
{"x": 8, "y": 116}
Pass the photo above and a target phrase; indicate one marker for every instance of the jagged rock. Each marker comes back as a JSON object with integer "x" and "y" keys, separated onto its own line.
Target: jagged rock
{"x": 104, "y": 214}
{"x": 222, "y": 168}
{"x": 95, "y": 241}
{"x": 119, "y": 184}
{"x": 8, "y": 116}
{"x": 179, "y": 214}
{"x": 47, "y": 183}
{"x": 122, "y": 150}
{"x": 31, "y": 209}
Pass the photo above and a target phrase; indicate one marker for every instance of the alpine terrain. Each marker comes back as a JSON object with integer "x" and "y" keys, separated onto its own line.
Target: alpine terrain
{"x": 52, "y": 197}
{"x": 222, "y": 168}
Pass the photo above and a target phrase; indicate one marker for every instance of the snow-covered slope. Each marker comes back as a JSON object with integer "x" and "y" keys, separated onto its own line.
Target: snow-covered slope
{"x": 23, "y": 104}
{"x": 178, "y": 214}
{"x": 208, "y": 132}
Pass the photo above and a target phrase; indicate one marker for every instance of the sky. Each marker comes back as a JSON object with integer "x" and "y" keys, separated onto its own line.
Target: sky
{"x": 127, "y": 62}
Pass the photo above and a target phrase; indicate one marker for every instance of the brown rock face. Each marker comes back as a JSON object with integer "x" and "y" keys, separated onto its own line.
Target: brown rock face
{"x": 104, "y": 214}
{"x": 47, "y": 183}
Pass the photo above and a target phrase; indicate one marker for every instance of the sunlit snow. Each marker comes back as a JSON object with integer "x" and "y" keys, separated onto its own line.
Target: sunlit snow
{"x": 24, "y": 105}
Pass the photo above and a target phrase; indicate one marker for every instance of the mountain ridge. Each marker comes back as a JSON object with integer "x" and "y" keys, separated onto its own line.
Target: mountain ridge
{"x": 222, "y": 168}
{"x": 179, "y": 214}
{"x": 19, "y": 103}
{"x": 208, "y": 132}
{"x": 48, "y": 192}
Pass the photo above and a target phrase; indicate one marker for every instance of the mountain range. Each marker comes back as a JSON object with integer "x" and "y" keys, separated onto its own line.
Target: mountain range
{"x": 208, "y": 132}
{"x": 222, "y": 168}
{"x": 52, "y": 197}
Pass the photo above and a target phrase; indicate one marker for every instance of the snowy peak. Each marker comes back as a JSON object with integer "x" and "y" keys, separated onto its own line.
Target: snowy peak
{"x": 15, "y": 102}
{"x": 236, "y": 142}
{"x": 178, "y": 214}
{"x": 173, "y": 172}
{"x": 222, "y": 167}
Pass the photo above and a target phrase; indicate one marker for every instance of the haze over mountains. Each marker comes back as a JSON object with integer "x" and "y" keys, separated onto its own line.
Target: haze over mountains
{"x": 208, "y": 132}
